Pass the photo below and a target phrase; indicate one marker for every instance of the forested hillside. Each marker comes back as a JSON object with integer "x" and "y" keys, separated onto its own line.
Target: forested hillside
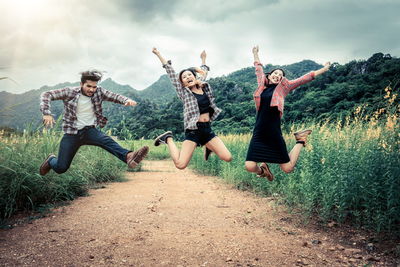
{"x": 332, "y": 95}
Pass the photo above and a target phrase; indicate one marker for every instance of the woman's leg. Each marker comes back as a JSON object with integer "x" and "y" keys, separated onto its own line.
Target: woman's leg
{"x": 301, "y": 140}
{"x": 262, "y": 170}
{"x": 294, "y": 156}
{"x": 252, "y": 166}
{"x": 218, "y": 147}
{"x": 181, "y": 158}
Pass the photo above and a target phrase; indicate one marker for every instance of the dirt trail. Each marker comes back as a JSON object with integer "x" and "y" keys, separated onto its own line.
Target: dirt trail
{"x": 167, "y": 217}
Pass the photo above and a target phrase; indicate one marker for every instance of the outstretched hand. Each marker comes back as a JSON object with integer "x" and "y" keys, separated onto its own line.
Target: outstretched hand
{"x": 324, "y": 69}
{"x": 203, "y": 55}
{"x": 255, "y": 49}
{"x": 155, "y": 51}
{"x": 48, "y": 120}
{"x": 130, "y": 102}
{"x": 327, "y": 65}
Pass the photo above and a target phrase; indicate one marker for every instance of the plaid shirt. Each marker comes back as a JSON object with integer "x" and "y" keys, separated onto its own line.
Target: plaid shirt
{"x": 191, "y": 112}
{"x": 70, "y": 97}
{"x": 282, "y": 89}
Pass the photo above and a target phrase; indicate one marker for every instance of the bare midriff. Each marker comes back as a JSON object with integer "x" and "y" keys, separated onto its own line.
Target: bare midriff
{"x": 205, "y": 117}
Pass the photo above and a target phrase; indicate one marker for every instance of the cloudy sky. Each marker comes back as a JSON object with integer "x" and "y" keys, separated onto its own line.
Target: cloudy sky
{"x": 45, "y": 42}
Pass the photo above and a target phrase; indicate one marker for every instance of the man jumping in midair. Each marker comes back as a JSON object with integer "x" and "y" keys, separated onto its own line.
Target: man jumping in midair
{"x": 82, "y": 113}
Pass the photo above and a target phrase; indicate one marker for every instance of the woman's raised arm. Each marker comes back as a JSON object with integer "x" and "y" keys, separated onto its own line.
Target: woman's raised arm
{"x": 158, "y": 54}
{"x": 259, "y": 68}
{"x": 171, "y": 73}
{"x": 326, "y": 67}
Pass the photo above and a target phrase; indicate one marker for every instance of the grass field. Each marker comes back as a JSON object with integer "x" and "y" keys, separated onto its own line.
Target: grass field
{"x": 349, "y": 170}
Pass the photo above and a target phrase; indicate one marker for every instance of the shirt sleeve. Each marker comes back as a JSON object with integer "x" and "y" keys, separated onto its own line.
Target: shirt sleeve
{"x": 113, "y": 97}
{"x": 48, "y": 96}
{"x": 293, "y": 84}
{"x": 259, "y": 73}
{"x": 206, "y": 69}
{"x": 174, "y": 79}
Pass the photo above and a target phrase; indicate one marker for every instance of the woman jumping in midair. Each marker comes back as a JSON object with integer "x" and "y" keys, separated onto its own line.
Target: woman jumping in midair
{"x": 199, "y": 110}
{"x": 267, "y": 143}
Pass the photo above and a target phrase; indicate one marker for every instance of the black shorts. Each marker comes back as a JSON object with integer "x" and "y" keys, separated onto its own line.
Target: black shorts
{"x": 202, "y": 135}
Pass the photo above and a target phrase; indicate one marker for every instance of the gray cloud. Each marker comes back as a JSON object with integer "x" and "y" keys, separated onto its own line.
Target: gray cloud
{"x": 51, "y": 43}
{"x": 147, "y": 11}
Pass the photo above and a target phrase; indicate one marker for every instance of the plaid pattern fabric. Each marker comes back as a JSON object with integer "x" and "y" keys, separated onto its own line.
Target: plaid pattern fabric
{"x": 70, "y": 97}
{"x": 281, "y": 90}
{"x": 191, "y": 112}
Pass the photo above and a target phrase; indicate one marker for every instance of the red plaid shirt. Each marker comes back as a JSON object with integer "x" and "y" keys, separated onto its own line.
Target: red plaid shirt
{"x": 282, "y": 89}
{"x": 70, "y": 97}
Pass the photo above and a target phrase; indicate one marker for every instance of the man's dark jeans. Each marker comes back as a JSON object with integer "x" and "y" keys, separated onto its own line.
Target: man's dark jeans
{"x": 89, "y": 135}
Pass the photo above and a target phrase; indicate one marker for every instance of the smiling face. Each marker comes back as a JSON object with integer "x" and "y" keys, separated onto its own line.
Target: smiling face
{"x": 89, "y": 87}
{"x": 275, "y": 77}
{"x": 188, "y": 79}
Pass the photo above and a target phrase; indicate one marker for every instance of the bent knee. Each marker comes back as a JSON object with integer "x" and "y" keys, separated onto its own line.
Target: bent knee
{"x": 61, "y": 170}
{"x": 287, "y": 169}
{"x": 227, "y": 158}
{"x": 250, "y": 166}
{"x": 180, "y": 165}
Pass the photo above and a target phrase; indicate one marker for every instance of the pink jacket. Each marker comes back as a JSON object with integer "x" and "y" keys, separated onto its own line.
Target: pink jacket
{"x": 282, "y": 89}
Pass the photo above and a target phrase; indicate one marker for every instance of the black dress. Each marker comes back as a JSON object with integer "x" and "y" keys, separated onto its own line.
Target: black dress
{"x": 267, "y": 144}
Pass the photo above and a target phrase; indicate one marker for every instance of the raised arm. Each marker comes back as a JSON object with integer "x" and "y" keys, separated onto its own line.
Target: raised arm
{"x": 293, "y": 84}
{"x": 259, "y": 68}
{"x": 204, "y": 69}
{"x": 255, "y": 54}
{"x": 158, "y": 54}
{"x": 324, "y": 69}
{"x": 171, "y": 73}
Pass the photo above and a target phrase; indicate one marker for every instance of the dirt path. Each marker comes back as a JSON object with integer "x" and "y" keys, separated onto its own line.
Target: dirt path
{"x": 167, "y": 217}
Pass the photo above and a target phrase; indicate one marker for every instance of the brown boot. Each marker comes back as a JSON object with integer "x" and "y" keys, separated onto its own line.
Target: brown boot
{"x": 301, "y": 136}
{"x": 45, "y": 167}
{"x": 135, "y": 157}
{"x": 266, "y": 172}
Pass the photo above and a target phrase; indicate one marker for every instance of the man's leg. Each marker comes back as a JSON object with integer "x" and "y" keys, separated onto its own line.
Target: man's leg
{"x": 69, "y": 145}
{"x": 96, "y": 138}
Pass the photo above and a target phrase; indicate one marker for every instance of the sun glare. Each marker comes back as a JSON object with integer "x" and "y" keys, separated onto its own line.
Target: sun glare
{"x": 26, "y": 9}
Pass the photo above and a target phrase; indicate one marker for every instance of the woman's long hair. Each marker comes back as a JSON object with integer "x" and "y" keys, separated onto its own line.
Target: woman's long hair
{"x": 269, "y": 73}
{"x": 194, "y": 71}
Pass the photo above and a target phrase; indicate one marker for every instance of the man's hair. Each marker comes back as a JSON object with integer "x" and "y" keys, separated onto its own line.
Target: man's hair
{"x": 91, "y": 75}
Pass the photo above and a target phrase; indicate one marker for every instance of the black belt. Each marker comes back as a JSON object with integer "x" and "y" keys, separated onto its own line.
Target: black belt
{"x": 87, "y": 128}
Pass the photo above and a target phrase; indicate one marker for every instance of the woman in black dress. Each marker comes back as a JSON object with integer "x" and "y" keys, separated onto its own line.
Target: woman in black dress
{"x": 267, "y": 143}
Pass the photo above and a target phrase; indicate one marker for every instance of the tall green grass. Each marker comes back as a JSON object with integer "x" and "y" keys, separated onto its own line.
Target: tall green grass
{"x": 21, "y": 186}
{"x": 349, "y": 170}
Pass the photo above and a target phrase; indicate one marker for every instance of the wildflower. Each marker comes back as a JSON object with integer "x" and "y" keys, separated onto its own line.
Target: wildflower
{"x": 391, "y": 122}
{"x": 391, "y": 100}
